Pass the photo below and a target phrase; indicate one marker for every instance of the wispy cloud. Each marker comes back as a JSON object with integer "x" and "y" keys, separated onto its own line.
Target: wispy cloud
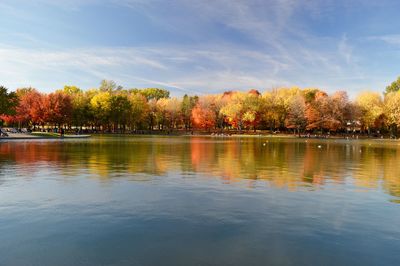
{"x": 205, "y": 67}
{"x": 80, "y": 58}
{"x": 201, "y": 46}
{"x": 165, "y": 63}
{"x": 345, "y": 50}
{"x": 392, "y": 39}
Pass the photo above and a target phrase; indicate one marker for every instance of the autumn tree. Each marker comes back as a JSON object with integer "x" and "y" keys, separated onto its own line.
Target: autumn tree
{"x": 315, "y": 111}
{"x": 339, "y": 112}
{"x": 276, "y": 105}
{"x": 234, "y": 110}
{"x": 161, "y": 113}
{"x": 392, "y": 110}
{"x": 33, "y": 107}
{"x": 152, "y": 113}
{"x": 29, "y": 100}
{"x": 253, "y": 108}
{"x": 330, "y": 113}
{"x": 101, "y": 106}
{"x": 296, "y": 118}
{"x": 139, "y": 110}
{"x": 174, "y": 107}
{"x": 204, "y": 117}
{"x": 81, "y": 111}
{"x": 370, "y": 105}
{"x": 22, "y": 117}
{"x": 71, "y": 90}
{"x": 242, "y": 109}
{"x": 113, "y": 107}
{"x": 309, "y": 94}
{"x": 152, "y": 93}
{"x": 58, "y": 108}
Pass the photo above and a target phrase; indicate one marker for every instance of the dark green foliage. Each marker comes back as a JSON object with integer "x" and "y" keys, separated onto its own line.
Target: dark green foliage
{"x": 8, "y": 101}
{"x": 395, "y": 86}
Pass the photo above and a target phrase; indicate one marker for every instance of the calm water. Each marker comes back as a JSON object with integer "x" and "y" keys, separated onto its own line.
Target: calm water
{"x": 199, "y": 201}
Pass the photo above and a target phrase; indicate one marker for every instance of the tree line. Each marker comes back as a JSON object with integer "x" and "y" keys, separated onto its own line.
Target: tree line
{"x": 113, "y": 108}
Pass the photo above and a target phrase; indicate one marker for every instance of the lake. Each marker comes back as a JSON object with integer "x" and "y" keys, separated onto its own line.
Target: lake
{"x": 199, "y": 201}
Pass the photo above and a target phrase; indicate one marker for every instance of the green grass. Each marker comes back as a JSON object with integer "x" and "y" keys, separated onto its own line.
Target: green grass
{"x": 46, "y": 134}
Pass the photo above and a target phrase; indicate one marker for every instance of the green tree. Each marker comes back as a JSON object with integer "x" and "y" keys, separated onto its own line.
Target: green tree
{"x": 139, "y": 109}
{"x": 71, "y": 90}
{"x": 152, "y": 113}
{"x": 108, "y": 86}
{"x": 120, "y": 109}
{"x": 8, "y": 101}
{"x": 81, "y": 111}
{"x": 188, "y": 103}
{"x": 394, "y": 86}
{"x": 154, "y": 93}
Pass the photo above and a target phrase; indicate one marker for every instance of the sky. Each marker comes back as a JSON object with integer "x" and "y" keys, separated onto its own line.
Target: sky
{"x": 200, "y": 46}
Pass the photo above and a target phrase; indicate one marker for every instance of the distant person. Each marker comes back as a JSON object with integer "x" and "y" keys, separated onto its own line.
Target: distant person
{"x": 62, "y": 132}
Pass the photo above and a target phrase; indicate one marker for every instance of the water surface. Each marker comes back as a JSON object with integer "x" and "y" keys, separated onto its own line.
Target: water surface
{"x": 199, "y": 201}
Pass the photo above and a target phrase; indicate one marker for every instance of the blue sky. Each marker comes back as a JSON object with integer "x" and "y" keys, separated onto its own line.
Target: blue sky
{"x": 201, "y": 46}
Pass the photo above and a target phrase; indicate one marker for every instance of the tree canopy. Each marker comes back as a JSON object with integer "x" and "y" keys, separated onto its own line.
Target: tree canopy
{"x": 113, "y": 108}
{"x": 394, "y": 86}
{"x": 8, "y": 101}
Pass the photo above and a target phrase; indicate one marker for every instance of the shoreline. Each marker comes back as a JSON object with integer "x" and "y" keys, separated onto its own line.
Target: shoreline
{"x": 44, "y": 136}
{"x": 238, "y": 135}
{"x": 49, "y": 135}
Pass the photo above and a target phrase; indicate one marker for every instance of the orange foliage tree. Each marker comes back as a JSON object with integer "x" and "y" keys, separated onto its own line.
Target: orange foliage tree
{"x": 203, "y": 115}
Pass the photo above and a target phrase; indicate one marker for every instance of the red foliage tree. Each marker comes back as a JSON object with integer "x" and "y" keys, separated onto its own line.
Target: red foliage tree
{"x": 203, "y": 117}
{"x": 30, "y": 107}
{"x": 58, "y": 108}
{"x": 328, "y": 112}
{"x": 37, "y": 108}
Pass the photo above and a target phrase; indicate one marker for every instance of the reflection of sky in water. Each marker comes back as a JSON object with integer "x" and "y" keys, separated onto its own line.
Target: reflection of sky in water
{"x": 192, "y": 201}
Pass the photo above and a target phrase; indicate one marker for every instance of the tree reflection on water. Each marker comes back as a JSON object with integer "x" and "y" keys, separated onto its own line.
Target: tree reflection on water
{"x": 284, "y": 163}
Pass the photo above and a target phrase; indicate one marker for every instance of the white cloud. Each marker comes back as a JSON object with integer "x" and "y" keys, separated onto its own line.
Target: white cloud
{"x": 392, "y": 39}
{"x": 181, "y": 68}
{"x": 345, "y": 50}
{"x": 125, "y": 62}
{"x": 266, "y": 46}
